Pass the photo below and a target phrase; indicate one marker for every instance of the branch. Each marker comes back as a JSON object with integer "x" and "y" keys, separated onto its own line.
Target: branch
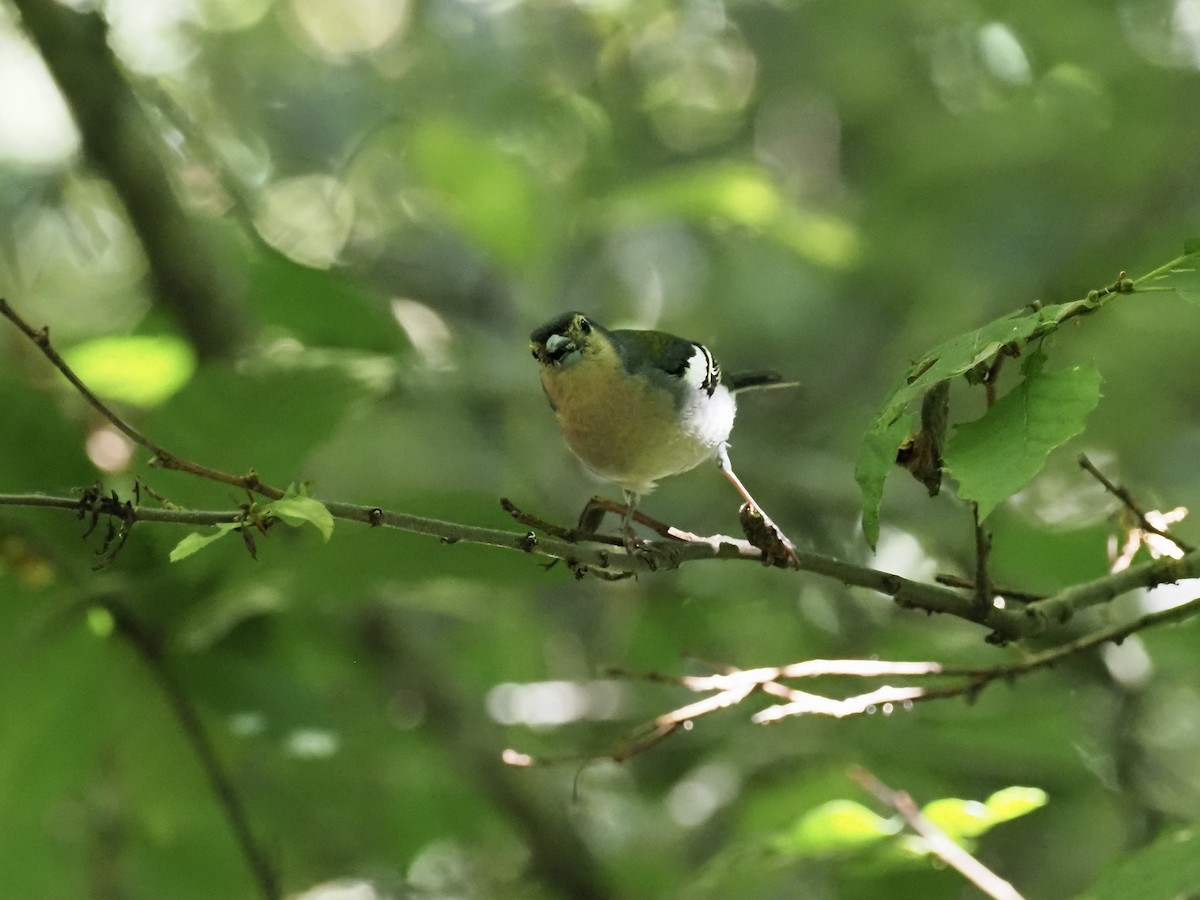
{"x": 90, "y": 503}
{"x": 1034, "y": 618}
{"x": 940, "y": 844}
{"x": 970, "y": 680}
{"x": 985, "y": 596}
{"x": 591, "y": 557}
{"x": 1007, "y": 593}
{"x": 162, "y": 457}
{"x": 582, "y": 557}
{"x": 149, "y": 650}
{"x": 732, "y": 687}
{"x": 1130, "y": 504}
{"x": 1059, "y": 608}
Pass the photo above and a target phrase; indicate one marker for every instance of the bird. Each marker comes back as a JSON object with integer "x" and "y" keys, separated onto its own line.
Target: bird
{"x": 638, "y": 406}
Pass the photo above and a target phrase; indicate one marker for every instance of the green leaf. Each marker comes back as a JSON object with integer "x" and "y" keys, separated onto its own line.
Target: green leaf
{"x": 1167, "y": 869}
{"x": 1186, "y": 282}
{"x": 836, "y": 825}
{"x": 949, "y": 359}
{"x": 962, "y": 353}
{"x": 963, "y": 820}
{"x": 960, "y": 819}
{"x": 876, "y": 458}
{"x": 1181, "y": 274}
{"x": 295, "y": 510}
{"x": 1013, "y": 802}
{"x": 996, "y": 455}
{"x": 140, "y": 369}
{"x": 198, "y": 540}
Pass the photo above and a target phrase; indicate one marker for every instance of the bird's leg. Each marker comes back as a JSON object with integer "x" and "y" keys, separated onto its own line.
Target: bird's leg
{"x": 654, "y": 555}
{"x": 632, "y": 544}
{"x": 593, "y": 514}
{"x": 760, "y": 529}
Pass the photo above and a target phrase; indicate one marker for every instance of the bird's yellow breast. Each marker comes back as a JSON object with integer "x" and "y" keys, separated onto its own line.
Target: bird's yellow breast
{"x": 623, "y": 427}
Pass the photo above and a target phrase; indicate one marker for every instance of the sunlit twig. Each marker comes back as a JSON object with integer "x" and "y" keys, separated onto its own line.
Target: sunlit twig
{"x": 734, "y": 686}
{"x": 939, "y": 843}
{"x": 1152, "y": 522}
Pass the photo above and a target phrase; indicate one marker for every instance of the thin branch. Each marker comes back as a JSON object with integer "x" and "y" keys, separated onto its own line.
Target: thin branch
{"x": 984, "y": 596}
{"x": 149, "y": 650}
{"x": 732, "y": 687}
{"x": 609, "y": 561}
{"x": 91, "y": 504}
{"x": 1061, "y": 607}
{"x": 1013, "y": 594}
{"x": 593, "y": 514}
{"x": 162, "y": 457}
{"x": 975, "y": 679}
{"x": 582, "y": 557}
{"x": 940, "y": 844}
{"x": 1130, "y": 504}
{"x": 809, "y": 668}
{"x": 1035, "y": 618}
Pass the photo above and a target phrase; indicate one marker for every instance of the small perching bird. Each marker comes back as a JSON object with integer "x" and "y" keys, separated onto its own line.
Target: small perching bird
{"x": 638, "y": 406}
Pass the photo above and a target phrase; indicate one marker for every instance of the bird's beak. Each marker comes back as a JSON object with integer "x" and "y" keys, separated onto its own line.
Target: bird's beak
{"x": 558, "y": 346}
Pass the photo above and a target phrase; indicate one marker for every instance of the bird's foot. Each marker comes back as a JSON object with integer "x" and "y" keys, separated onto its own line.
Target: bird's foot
{"x": 655, "y": 554}
{"x": 598, "y": 507}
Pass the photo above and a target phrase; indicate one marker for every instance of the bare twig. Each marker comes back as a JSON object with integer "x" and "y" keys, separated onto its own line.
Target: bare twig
{"x": 149, "y": 650}
{"x": 939, "y": 843}
{"x": 809, "y": 668}
{"x": 1061, "y": 607}
{"x": 984, "y": 597}
{"x": 732, "y": 687}
{"x": 1013, "y": 594}
{"x": 90, "y": 505}
{"x": 162, "y": 457}
{"x": 1130, "y": 504}
{"x": 970, "y": 680}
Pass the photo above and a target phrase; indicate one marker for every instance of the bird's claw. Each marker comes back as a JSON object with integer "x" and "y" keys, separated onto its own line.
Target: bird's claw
{"x": 656, "y": 555}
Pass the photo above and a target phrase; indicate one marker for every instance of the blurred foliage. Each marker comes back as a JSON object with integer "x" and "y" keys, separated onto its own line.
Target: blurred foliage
{"x": 394, "y": 195}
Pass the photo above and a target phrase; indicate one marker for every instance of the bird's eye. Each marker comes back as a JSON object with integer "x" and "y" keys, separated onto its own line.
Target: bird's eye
{"x": 584, "y": 325}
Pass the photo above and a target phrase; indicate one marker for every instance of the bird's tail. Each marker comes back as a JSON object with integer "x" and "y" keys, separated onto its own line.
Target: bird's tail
{"x": 758, "y": 380}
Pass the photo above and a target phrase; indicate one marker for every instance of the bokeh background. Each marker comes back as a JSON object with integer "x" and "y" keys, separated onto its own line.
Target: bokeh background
{"x": 312, "y": 239}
